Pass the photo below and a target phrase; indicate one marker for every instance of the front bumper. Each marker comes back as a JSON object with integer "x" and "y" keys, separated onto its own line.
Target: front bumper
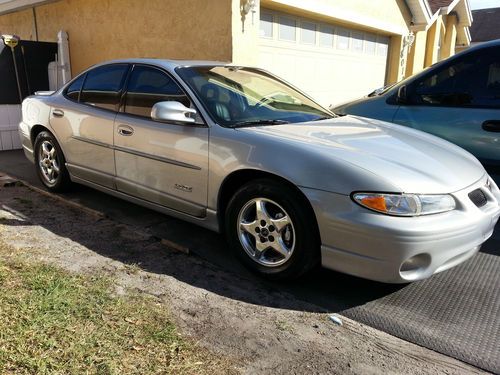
{"x": 401, "y": 249}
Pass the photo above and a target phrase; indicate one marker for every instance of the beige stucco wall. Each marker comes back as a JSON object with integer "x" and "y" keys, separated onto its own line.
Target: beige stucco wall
{"x": 108, "y": 29}
{"x": 416, "y": 55}
{"x": 245, "y": 35}
{"x": 396, "y": 60}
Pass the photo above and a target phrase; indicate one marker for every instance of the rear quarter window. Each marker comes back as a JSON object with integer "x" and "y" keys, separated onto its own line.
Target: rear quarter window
{"x": 73, "y": 90}
{"x": 103, "y": 85}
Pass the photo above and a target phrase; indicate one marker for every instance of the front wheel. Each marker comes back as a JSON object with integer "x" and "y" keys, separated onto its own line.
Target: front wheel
{"x": 272, "y": 230}
{"x": 50, "y": 163}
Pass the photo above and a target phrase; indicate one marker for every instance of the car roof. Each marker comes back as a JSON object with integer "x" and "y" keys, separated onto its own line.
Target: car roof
{"x": 169, "y": 64}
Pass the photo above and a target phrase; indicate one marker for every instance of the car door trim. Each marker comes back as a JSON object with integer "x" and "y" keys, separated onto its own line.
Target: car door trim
{"x": 155, "y": 157}
{"x": 90, "y": 174}
{"x": 138, "y": 153}
{"x": 155, "y": 196}
{"x": 209, "y": 220}
{"x": 91, "y": 141}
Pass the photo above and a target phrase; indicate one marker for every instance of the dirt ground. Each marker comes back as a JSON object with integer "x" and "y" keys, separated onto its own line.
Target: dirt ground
{"x": 260, "y": 329}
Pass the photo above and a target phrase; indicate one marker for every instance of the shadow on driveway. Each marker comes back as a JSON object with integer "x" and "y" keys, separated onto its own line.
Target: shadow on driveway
{"x": 322, "y": 290}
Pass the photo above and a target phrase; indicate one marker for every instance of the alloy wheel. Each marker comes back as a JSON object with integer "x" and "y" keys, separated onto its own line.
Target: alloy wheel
{"x": 266, "y": 232}
{"x": 48, "y": 162}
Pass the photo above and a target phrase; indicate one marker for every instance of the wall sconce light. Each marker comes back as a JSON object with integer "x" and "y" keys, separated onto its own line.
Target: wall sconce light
{"x": 247, "y": 6}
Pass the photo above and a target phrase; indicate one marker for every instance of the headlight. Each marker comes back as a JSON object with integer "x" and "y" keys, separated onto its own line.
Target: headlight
{"x": 405, "y": 204}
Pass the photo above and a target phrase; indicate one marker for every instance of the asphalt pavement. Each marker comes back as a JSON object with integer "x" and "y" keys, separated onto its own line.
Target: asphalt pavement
{"x": 401, "y": 310}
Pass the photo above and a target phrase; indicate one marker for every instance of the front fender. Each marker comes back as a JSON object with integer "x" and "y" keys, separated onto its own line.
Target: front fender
{"x": 232, "y": 150}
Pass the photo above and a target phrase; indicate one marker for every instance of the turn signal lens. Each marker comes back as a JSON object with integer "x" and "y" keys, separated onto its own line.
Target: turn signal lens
{"x": 375, "y": 203}
{"x": 405, "y": 204}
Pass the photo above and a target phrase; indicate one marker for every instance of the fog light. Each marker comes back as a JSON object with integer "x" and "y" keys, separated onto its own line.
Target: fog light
{"x": 414, "y": 267}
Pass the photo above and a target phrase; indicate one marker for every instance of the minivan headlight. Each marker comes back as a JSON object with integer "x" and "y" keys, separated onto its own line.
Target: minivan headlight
{"x": 405, "y": 204}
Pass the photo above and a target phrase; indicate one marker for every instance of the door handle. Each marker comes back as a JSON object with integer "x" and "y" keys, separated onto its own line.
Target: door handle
{"x": 125, "y": 130}
{"x": 492, "y": 126}
{"x": 58, "y": 113}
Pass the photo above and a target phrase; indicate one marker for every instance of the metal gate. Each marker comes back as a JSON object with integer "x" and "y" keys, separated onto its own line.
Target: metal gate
{"x": 23, "y": 70}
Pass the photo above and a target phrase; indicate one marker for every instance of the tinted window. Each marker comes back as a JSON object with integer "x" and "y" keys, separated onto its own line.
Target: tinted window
{"x": 148, "y": 86}
{"x": 102, "y": 86}
{"x": 471, "y": 81}
{"x": 73, "y": 91}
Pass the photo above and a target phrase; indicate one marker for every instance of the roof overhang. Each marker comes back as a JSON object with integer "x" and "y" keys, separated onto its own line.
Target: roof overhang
{"x": 461, "y": 8}
{"x": 9, "y": 6}
{"x": 422, "y": 16}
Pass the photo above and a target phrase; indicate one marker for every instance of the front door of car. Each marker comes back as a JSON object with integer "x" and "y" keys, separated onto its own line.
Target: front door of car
{"x": 163, "y": 163}
{"x": 84, "y": 123}
{"x": 459, "y": 102}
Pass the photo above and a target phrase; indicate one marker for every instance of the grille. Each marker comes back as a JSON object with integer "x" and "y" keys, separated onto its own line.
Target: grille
{"x": 478, "y": 198}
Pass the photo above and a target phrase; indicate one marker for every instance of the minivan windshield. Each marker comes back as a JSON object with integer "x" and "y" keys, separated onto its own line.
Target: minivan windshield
{"x": 237, "y": 97}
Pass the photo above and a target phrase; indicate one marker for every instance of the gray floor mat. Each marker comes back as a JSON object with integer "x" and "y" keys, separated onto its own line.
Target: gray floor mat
{"x": 456, "y": 313}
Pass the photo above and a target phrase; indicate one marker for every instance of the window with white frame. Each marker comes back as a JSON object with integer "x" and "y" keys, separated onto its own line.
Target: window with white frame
{"x": 287, "y": 29}
{"x": 266, "y": 25}
{"x": 307, "y": 32}
{"x": 357, "y": 38}
{"x": 326, "y": 36}
{"x": 382, "y": 45}
{"x": 370, "y": 44}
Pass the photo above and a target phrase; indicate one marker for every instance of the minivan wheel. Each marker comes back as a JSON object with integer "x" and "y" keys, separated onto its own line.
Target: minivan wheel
{"x": 271, "y": 229}
{"x": 50, "y": 163}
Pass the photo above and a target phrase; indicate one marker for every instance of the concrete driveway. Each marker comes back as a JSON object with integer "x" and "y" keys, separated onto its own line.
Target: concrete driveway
{"x": 426, "y": 313}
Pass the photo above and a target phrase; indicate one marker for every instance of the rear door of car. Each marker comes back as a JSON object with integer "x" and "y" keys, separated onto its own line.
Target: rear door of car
{"x": 84, "y": 122}
{"x": 160, "y": 162}
{"x": 460, "y": 102}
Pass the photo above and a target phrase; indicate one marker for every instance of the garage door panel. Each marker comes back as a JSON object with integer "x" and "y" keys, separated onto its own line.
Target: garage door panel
{"x": 332, "y": 64}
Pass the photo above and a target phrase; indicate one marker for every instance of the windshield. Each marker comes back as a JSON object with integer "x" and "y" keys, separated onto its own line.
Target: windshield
{"x": 237, "y": 96}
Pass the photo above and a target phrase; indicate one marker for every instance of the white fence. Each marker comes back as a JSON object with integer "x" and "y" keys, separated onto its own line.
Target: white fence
{"x": 10, "y": 116}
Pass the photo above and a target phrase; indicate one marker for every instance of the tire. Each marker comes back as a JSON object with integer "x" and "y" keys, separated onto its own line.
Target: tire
{"x": 289, "y": 225}
{"x": 50, "y": 163}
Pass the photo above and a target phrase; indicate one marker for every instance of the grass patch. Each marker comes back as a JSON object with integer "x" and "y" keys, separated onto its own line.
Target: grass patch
{"x": 284, "y": 326}
{"x": 53, "y": 322}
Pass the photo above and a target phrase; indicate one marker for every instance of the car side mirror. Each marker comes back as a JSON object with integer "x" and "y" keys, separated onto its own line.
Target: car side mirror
{"x": 402, "y": 98}
{"x": 172, "y": 112}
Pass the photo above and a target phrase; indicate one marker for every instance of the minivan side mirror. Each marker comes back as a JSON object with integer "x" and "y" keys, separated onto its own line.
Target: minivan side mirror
{"x": 401, "y": 98}
{"x": 172, "y": 112}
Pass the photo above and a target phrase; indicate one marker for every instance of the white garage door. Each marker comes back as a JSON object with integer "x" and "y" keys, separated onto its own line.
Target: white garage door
{"x": 333, "y": 64}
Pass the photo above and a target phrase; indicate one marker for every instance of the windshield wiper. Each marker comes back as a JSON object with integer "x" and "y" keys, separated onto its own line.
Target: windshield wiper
{"x": 259, "y": 122}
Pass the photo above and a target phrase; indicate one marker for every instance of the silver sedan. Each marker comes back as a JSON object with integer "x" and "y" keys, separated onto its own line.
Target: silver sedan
{"x": 237, "y": 150}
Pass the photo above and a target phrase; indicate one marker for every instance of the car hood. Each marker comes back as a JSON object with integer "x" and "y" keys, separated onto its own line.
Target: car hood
{"x": 408, "y": 160}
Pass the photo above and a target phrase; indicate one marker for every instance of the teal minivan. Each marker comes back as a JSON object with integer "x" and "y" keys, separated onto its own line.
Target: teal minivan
{"x": 457, "y": 99}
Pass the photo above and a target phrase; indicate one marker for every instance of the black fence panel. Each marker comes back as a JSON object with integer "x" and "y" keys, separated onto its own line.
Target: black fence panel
{"x": 32, "y": 60}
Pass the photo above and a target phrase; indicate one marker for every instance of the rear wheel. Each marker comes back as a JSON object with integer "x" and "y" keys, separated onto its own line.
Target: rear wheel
{"x": 272, "y": 230}
{"x": 50, "y": 163}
